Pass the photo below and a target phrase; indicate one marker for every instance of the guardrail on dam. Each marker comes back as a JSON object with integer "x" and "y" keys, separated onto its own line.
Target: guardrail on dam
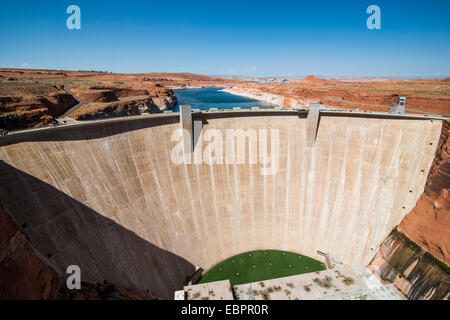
{"x": 105, "y": 195}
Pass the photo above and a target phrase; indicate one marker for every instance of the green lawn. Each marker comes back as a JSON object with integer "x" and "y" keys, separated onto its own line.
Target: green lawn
{"x": 261, "y": 265}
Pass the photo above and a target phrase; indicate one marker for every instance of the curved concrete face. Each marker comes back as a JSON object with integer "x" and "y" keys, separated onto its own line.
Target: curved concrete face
{"x": 108, "y": 197}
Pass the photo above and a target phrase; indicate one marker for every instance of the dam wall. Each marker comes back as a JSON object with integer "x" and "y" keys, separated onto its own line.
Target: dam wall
{"x": 108, "y": 197}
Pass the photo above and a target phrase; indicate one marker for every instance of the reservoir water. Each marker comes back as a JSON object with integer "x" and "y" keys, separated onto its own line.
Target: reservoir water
{"x": 206, "y": 98}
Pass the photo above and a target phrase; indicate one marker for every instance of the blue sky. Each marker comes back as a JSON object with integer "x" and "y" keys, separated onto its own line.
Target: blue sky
{"x": 256, "y": 38}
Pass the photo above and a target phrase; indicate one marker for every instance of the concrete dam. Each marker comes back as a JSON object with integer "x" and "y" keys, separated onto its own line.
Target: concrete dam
{"x": 107, "y": 196}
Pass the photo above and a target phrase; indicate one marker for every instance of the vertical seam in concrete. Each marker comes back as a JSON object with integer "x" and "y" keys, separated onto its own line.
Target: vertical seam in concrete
{"x": 287, "y": 192}
{"x": 339, "y": 198}
{"x": 211, "y": 172}
{"x": 252, "y": 206}
{"x": 301, "y": 208}
{"x": 325, "y": 213}
{"x": 143, "y": 191}
{"x": 238, "y": 200}
{"x": 202, "y": 208}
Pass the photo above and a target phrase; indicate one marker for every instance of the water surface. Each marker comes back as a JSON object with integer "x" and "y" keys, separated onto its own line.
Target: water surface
{"x": 207, "y": 98}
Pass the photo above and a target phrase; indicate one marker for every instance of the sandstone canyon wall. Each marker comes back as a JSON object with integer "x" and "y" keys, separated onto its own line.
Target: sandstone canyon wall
{"x": 25, "y": 106}
{"x": 413, "y": 271}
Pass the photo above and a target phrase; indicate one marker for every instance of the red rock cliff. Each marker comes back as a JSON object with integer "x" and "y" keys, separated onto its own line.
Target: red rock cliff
{"x": 428, "y": 224}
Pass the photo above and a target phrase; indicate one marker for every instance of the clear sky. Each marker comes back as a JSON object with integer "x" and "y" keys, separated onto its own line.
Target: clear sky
{"x": 255, "y": 38}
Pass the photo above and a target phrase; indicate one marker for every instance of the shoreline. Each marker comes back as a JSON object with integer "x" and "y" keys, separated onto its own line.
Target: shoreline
{"x": 278, "y": 100}
{"x": 195, "y": 87}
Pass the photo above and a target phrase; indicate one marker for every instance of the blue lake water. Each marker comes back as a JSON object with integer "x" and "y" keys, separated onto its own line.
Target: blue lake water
{"x": 207, "y": 98}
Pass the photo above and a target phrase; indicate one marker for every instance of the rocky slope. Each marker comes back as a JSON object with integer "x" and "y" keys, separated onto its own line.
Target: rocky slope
{"x": 25, "y": 106}
{"x": 107, "y": 102}
{"x": 416, "y": 273}
{"x": 428, "y": 224}
{"x": 94, "y": 111}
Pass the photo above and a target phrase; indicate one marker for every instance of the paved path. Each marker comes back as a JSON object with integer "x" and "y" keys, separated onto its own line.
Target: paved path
{"x": 75, "y": 107}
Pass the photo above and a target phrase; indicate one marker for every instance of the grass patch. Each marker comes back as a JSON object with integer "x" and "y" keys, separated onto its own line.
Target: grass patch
{"x": 261, "y": 265}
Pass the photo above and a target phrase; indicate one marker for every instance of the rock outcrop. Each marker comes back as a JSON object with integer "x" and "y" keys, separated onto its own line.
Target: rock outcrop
{"x": 93, "y": 111}
{"x": 413, "y": 271}
{"x": 101, "y": 95}
{"x": 32, "y": 106}
{"x": 313, "y": 80}
{"x": 428, "y": 224}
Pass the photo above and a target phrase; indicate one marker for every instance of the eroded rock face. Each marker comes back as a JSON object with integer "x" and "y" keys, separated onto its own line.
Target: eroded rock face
{"x": 100, "y": 102}
{"x": 165, "y": 103}
{"x": 428, "y": 224}
{"x": 416, "y": 273}
{"x": 95, "y": 95}
{"x": 93, "y": 111}
{"x": 32, "y": 106}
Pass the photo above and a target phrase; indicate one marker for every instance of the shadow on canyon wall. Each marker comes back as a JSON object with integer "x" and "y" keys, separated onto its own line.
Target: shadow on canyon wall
{"x": 67, "y": 232}
{"x": 419, "y": 274}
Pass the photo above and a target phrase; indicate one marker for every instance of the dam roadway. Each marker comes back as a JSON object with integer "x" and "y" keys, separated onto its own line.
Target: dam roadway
{"x": 105, "y": 195}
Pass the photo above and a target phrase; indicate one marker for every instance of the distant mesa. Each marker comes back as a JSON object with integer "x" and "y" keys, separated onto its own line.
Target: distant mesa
{"x": 312, "y": 79}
